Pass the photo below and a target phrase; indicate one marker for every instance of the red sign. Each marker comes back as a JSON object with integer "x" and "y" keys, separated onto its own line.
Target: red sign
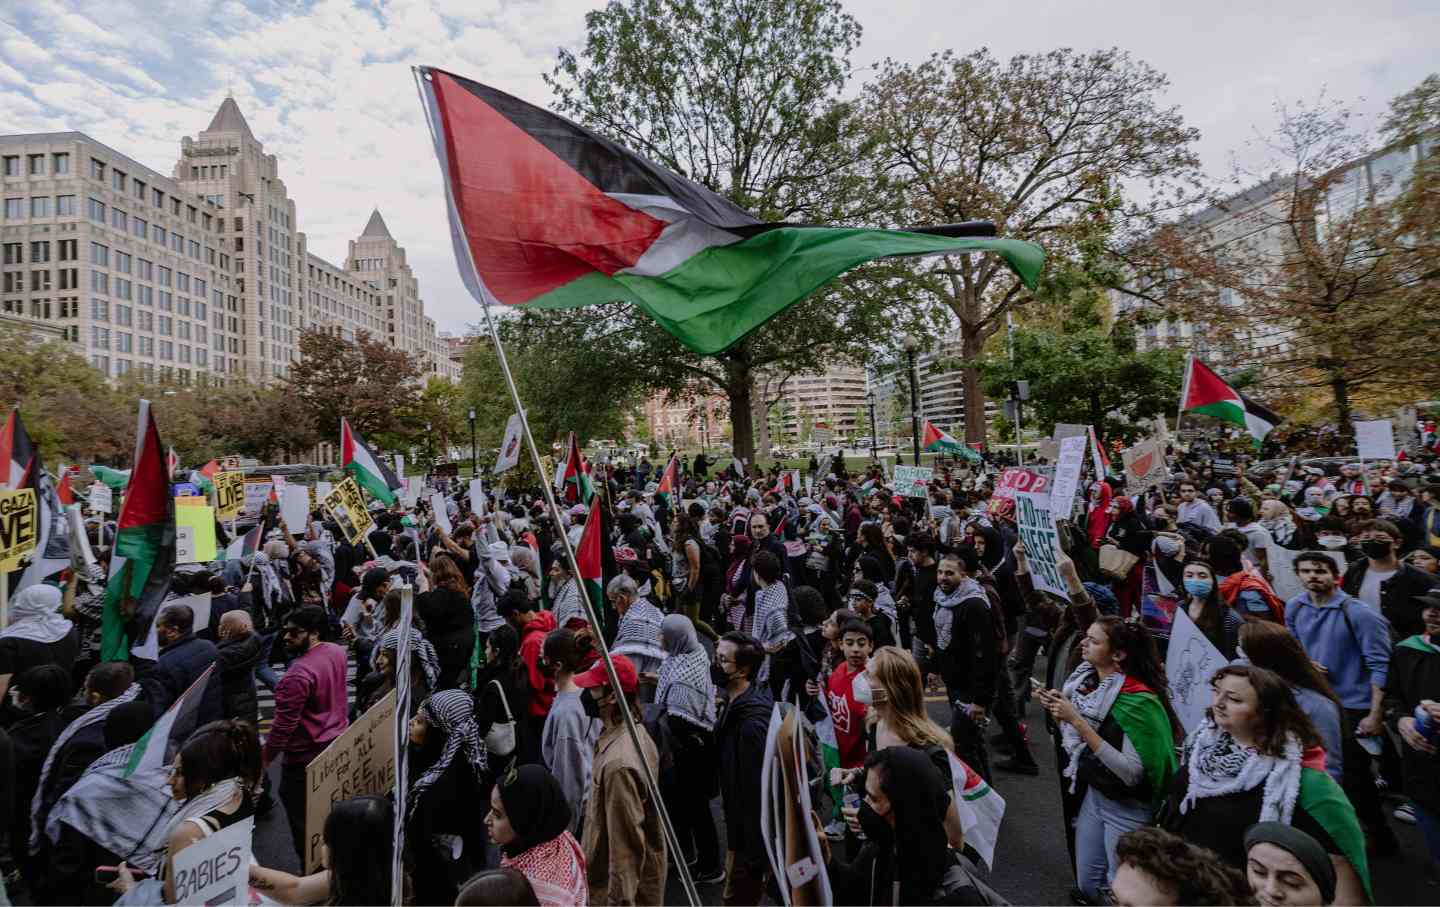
{"x": 1013, "y": 480}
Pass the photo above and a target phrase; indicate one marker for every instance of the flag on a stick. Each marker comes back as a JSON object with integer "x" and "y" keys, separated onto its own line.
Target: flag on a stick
{"x": 1208, "y": 394}
{"x": 177, "y": 723}
{"x": 144, "y": 554}
{"x": 546, "y": 213}
{"x": 936, "y": 441}
{"x": 669, "y": 481}
{"x": 573, "y": 481}
{"x": 371, "y": 472}
{"x": 21, "y": 468}
{"x": 588, "y": 559}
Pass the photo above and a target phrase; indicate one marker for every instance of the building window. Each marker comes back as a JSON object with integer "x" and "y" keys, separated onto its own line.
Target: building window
{"x": 99, "y": 255}
{"x": 69, "y": 278}
{"x": 65, "y": 205}
{"x": 12, "y": 165}
{"x": 97, "y": 169}
{"x": 147, "y": 346}
{"x": 122, "y": 262}
{"x": 140, "y": 227}
{"x": 164, "y": 276}
{"x": 166, "y": 325}
{"x": 97, "y": 210}
{"x": 14, "y": 253}
{"x": 139, "y": 188}
{"x": 40, "y": 206}
{"x": 157, "y": 235}
{"x": 119, "y": 221}
{"x": 14, "y": 208}
{"x": 40, "y": 251}
{"x": 124, "y": 343}
{"x": 39, "y": 280}
{"x": 122, "y": 288}
{"x": 167, "y": 350}
{"x": 117, "y": 180}
{"x": 124, "y": 315}
{"x": 102, "y": 364}
{"x": 158, "y": 198}
{"x": 145, "y": 295}
{"x": 59, "y": 163}
{"x": 99, "y": 310}
{"x": 144, "y": 270}
{"x": 99, "y": 283}
{"x": 147, "y": 321}
{"x": 69, "y": 249}
{"x": 37, "y": 164}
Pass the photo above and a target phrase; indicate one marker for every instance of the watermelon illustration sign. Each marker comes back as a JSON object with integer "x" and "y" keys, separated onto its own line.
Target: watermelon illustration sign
{"x": 1144, "y": 465}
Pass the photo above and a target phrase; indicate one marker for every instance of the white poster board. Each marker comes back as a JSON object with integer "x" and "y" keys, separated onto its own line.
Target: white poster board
{"x": 295, "y": 508}
{"x": 509, "y": 448}
{"x": 1042, "y": 541}
{"x": 102, "y": 499}
{"x": 477, "y": 497}
{"x": 1144, "y": 466}
{"x": 1375, "y": 440}
{"x": 400, "y": 466}
{"x": 441, "y": 515}
{"x": 913, "y": 481}
{"x": 411, "y": 492}
{"x": 1190, "y": 662}
{"x": 1068, "y": 463}
{"x": 216, "y": 869}
{"x": 322, "y": 490}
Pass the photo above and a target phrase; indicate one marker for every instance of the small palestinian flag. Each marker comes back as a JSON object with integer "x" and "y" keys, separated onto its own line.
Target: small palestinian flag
{"x": 1098, "y": 455}
{"x": 117, "y": 479}
{"x": 936, "y": 441}
{"x": 144, "y": 554}
{"x": 546, "y": 213}
{"x": 1206, "y": 393}
{"x": 981, "y": 809}
{"x": 176, "y": 724}
{"x": 371, "y": 472}
{"x": 63, "y": 491}
{"x": 244, "y": 546}
{"x": 669, "y": 481}
{"x": 204, "y": 477}
{"x": 589, "y": 559}
{"x": 572, "y": 478}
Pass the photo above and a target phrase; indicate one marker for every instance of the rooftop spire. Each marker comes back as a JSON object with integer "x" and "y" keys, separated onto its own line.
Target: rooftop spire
{"x": 229, "y": 119}
{"x": 376, "y": 227}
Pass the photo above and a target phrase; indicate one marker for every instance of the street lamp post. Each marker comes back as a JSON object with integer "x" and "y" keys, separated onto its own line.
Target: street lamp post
{"x": 870, "y": 398}
{"x": 474, "y": 458}
{"x": 429, "y": 447}
{"x": 912, "y": 346}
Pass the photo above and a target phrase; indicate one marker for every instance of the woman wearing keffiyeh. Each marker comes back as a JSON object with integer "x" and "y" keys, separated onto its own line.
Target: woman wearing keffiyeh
{"x": 443, "y": 829}
{"x": 685, "y": 696}
{"x": 529, "y": 819}
{"x": 1117, "y": 730}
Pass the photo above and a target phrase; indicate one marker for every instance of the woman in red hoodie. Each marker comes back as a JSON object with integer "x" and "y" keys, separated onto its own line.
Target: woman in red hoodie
{"x": 1097, "y": 524}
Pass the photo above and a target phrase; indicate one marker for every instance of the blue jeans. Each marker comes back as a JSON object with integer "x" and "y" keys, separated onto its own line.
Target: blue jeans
{"x": 1429, "y": 823}
{"x": 263, "y": 672}
{"x": 1098, "y": 828}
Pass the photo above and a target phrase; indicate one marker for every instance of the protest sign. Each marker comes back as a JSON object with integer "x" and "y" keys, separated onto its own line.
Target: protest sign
{"x": 477, "y": 497}
{"x": 913, "y": 481}
{"x": 295, "y": 508}
{"x": 19, "y": 527}
{"x": 359, "y": 761}
{"x": 194, "y": 531}
{"x": 346, "y": 507}
{"x": 102, "y": 499}
{"x": 1375, "y": 440}
{"x": 257, "y": 495}
{"x": 411, "y": 493}
{"x": 1070, "y": 459}
{"x": 80, "y": 551}
{"x": 1065, "y": 430}
{"x": 277, "y": 485}
{"x": 509, "y": 448}
{"x": 1015, "y": 480}
{"x": 400, "y": 466}
{"x": 229, "y": 494}
{"x": 1042, "y": 541}
{"x": 215, "y": 869}
{"x": 1144, "y": 465}
{"x": 1190, "y": 661}
{"x": 323, "y": 489}
{"x": 441, "y": 514}
{"x": 229, "y": 464}
{"x": 199, "y": 605}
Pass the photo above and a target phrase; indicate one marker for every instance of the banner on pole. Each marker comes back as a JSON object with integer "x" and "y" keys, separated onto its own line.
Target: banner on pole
{"x": 19, "y": 527}
{"x": 102, "y": 499}
{"x": 215, "y": 870}
{"x": 229, "y": 494}
{"x": 509, "y": 448}
{"x": 346, "y": 507}
{"x": 1042, "y": 542}
{"x": 359, "y": 761}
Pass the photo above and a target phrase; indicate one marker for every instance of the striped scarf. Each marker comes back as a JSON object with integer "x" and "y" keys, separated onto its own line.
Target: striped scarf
{"x": 127, "y": 816}
{"x": 419, "y": 646}
{"x": 556, "y": 871}
{"x": 452, "y": 711}
{"x": 88, "y": 719}
{"x": 638, "y": 635}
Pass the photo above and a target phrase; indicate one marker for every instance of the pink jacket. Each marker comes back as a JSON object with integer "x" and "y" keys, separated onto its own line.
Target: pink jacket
{"x": 310, "y": 705}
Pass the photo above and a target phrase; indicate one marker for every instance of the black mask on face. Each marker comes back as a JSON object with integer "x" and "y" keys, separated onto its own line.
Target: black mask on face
{"x": 589, "y": 704}
{"x": 874, "y": 825}
{"x": 1376, "y": 548}
{"x": 718, "y": 676}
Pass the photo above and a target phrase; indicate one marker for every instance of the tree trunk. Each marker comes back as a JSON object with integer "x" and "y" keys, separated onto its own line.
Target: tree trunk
{"x": 1340, "y": 390}
{"x": 740, "y": 392}
{"x": 971, "y": 346}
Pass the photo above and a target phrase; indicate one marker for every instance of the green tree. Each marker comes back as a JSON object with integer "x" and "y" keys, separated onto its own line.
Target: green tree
{"x": 744, "y": 97}
{"x": 1040, "y": 145}
{"x": 67, "y": 406}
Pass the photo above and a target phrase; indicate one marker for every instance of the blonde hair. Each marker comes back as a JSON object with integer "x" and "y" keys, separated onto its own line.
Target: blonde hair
{"x": 894, "y": 672}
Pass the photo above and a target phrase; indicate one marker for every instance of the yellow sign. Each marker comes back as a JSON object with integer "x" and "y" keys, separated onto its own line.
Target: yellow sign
{"x": 194, "y": 531}
{"x": 346, "y": 507}
{"x": 229, "y": 494}
{"x": 229, "y": 464}
{"x": 19, "y": 527}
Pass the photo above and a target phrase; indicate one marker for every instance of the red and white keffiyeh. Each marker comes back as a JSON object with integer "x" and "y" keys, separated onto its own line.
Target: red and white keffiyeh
{"x": 556, "y": 871}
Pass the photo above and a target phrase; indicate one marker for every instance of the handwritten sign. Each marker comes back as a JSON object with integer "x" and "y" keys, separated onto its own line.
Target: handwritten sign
{"x": 102, "y": 499}
{"x": 1042, "y": 541}
{"x": 359, "y": 761}
{"x": 216, "y": 868}
{"x": 229, "y": 494}
{"x": 1190, "y": 661}
{"x": 913, "y": 481}
{"x": 19, "y": 527}
{"x": 346, "y": 507}
{"x": 1069, "y": 461}
{"x": 1375, "y": 440}
{"x": 1015, "y": 480}
{"x": 1144, "y": 465}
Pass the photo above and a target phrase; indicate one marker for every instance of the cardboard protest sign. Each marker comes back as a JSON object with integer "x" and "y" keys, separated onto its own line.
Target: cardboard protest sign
{"x": 1190, "y": 661}
{"x": 1144, "y": 465}
{"x": 913, "y": 481}
{"x": 346, "y": 507}
{"x": 1014, "y": 480}
{"x": 1375, "y": 440}
{"x": 257, "y": 495}
{"x": 1042, "y": 542}
{"x": 1070, "y": 459}
{"x": 215, "y": 870}
{"x": 439, "y": 513}
{"x": 102, "y": 498}
{"x": 194, "y": 531}
{"x": 19, "y": 527}
{"x": 295, "y": 508}
{"x": 229, "y": 494}
{"x": 359, "y": 761}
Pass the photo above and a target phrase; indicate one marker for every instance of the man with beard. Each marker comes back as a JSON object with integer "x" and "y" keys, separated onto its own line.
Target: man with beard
{"x": 310, "y": 711}
{"x": 966, "y": 653}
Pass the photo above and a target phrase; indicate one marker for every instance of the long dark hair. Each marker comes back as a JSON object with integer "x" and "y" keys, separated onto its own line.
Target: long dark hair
{"x": 1279, "y": 713}
{"x": 1271, "y": 646}
{"x": 359, "y": 833}
{"x": 220, "y": 750}
{"x": 1142, "y": 661}
{"x": 1212, "y": 616}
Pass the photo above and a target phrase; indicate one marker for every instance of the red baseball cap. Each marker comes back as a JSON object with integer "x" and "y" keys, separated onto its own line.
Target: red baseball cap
{"x": 596, "y": 676}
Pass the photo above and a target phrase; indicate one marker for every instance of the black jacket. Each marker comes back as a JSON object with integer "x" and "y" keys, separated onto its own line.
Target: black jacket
{"x": 740, "y": 741}
{"x": 1399, "y": 595}
{"x": 181, "y": 664}
{"x": 239, "y": 657}
{"x": 84, "y": 747}
{"x": 450, "y": 627}
{"x": 970, "y": 664}
{"x": 1415, "y": 675}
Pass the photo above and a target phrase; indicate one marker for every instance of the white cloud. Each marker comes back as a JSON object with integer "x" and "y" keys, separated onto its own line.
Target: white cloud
{"x": 340, "y": 109}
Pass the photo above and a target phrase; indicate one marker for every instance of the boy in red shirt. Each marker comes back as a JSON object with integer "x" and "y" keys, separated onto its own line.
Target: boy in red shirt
{"x": 847, "y": 712}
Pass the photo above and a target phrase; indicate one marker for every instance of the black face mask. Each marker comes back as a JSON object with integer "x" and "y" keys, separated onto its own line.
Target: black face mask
{"x": 874, "y": 825}
{"x": 718, "y": 676}
{"x": 589, "y": 705}
{"x": 1376, "y": 548}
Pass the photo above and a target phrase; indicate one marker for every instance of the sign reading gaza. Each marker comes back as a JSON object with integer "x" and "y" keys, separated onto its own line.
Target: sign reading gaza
{"x": 19, "y": 527}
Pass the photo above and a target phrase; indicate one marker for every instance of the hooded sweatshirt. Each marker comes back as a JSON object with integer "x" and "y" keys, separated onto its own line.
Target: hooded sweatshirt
{"x": 532, "y": 641}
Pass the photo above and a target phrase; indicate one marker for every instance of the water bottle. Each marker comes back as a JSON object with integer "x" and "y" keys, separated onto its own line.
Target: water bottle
{"x": 1425, "y": 726}
{"x": 852, "y": 801}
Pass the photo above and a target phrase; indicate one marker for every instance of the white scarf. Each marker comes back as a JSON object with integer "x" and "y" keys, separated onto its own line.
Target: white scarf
{"x": 35, "y": 615}
{"x": 945, "y": 606}
{"x": 1093, "y": 706}
{"x": 1217, "y": 766}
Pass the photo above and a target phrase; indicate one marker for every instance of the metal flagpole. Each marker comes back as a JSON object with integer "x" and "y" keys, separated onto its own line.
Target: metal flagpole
{"x": 1184, "y": 393}
{"x": 651, "y": 783}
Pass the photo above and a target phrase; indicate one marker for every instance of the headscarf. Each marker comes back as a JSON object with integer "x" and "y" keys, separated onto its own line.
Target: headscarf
{"x": 919, "y": 798}
{"x": 537, "y": 808}
{"x": 1097, "y": 524}
{"x": 525, "y": 559}
{"x": 1310, "y": 852}
{"x": 739, "y": 556}
{"x": 419, "y": 646}
{"x": 35, "y": 615}
{"x": 451, "y": 711}
{"x": 683, "y": 685}
{"x": 638, "y": 635}
{"x": 566, "y": 603}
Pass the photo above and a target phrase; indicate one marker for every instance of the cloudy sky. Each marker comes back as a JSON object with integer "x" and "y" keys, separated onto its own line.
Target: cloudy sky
{"x": 326, "y": 85}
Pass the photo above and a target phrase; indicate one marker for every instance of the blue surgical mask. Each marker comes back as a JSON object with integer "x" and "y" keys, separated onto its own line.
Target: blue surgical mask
{"x": 1199, "y": 588}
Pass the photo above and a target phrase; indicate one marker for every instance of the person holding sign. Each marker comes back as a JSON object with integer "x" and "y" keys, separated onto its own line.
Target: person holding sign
{"x": 356, "y": 851}
{"x": 1118, "y": 734}
{"x": 216, "y": 777}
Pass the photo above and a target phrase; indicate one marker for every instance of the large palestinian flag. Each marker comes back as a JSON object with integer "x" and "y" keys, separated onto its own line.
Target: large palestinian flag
{"x": 20, "y": 468}
{"x": 589, "y": 559}
{"x": 1206, "y": 393}
{"x": 371, "y": 472}
{"x": 144, "y": 555}
{"x": 936, "y": 441}
{"x": 546, "y": 213}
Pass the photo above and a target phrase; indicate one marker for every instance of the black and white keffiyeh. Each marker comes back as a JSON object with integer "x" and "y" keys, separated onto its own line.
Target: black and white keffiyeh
{"x": 567, "y": 605}
{"x": 94, "y": 716}
{"x": 638, "y": 634}
{"x": 683, "y": 686}
{"x": 453, "y": 712}
{"x": 1217, "y": 765}
{"x": 1093, "y": 699}
{"x": 945, "y": 606}
{"x": 129, "y": 816}
{"x": 420, "y": 647}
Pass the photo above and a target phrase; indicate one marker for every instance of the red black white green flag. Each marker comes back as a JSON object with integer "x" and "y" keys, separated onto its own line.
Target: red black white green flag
{"x": 20, "y": 468}
{"x": 1208, "y": 394}
{"x": 370, "y": 472}
{"x": 573, "y": 481}
{"x": 588, "y": 557}
{"x": 669, "y": 481}
{"x": 144, "y": 555}
{"x": 546, "y": 213}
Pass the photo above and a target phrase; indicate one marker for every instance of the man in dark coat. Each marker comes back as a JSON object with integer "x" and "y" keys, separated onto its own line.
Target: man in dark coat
{"x": 183, "y": 658}
{"x": 239, "y": 654}
{"x": 740, "y": 734}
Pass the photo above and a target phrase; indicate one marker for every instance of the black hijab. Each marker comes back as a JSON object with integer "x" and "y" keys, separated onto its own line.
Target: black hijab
{"x": 919, "y": 800}
{"x": 536, "y": 805}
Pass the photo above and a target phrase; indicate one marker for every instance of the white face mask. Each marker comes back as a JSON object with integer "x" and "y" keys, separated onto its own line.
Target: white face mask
{"x": 860, "y": 689}
{"x": 1331, "y": 541}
